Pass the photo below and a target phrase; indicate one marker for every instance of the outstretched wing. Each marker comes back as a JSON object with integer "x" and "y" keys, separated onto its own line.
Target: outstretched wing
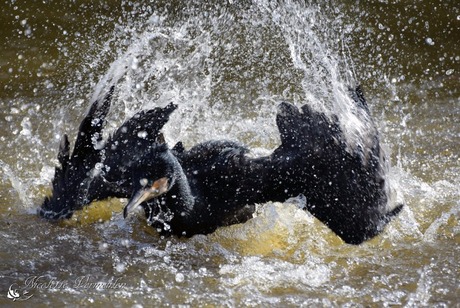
{"x": 344, "y": 189}
{"x": 131, "y": 142}
{"x": 72, "y": 180}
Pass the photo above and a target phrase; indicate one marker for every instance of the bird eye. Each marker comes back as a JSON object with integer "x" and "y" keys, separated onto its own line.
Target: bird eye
{"x": 143, "y": 181}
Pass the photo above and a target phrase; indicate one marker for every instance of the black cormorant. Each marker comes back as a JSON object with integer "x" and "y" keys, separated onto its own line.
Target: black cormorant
{"x": 215, "y": 183}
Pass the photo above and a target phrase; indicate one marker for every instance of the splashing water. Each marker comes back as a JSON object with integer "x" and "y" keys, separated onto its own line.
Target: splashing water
{"x": 227, "y": 66}
{"x": 221, "y": 75}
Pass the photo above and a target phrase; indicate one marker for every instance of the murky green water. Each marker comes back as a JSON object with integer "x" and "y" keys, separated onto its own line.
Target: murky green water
{"x": 227, "y": 65}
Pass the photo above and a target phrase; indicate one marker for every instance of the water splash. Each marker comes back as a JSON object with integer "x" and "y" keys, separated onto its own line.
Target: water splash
{"x": 218, "y": 66}
{"x": 228, "y": 66}
{"x": 271, "y": 274}
{"x": 17, "y": 184}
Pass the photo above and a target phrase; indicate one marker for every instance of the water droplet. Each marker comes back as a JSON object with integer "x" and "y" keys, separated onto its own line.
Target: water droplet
{"x": 142, "y": 134}
{"x": 103, "y": 246}
{"x": 429, "y": 41}
{"x": 120, "y": 267}
{"x": 180, "y": 277}
{"x": 135, "y": 64}
{"x": 99, "y": 166}
{"x": 26, "y": 127}
{"x": 95, "y": 121}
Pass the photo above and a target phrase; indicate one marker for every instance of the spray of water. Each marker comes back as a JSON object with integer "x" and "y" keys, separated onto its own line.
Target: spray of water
{"x": 227, "y": 66}
{"x": 228, "y": 71}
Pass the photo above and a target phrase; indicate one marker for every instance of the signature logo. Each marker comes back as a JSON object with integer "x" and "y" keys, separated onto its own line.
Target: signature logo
{"x": 17, "y": 292}
{"x": 14, "y": 295}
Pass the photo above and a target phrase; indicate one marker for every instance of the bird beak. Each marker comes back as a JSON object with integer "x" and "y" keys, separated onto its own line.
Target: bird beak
{"x": 146, "y": 193}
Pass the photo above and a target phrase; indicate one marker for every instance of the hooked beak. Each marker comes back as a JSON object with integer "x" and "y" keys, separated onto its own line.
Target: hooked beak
{"x": 146, "y": 193}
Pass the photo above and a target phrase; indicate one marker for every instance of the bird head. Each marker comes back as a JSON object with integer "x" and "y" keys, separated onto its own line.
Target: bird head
{"x": 153, "y": 176}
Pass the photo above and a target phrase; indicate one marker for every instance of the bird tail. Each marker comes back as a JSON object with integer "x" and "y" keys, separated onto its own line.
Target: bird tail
{"x": 392, "y": 213}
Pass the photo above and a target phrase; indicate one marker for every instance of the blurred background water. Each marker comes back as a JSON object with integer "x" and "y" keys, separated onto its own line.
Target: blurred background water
{"x": 227, "y": 65}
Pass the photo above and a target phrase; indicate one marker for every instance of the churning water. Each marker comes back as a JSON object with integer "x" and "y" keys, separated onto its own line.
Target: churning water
{"x": 227, "y": 66}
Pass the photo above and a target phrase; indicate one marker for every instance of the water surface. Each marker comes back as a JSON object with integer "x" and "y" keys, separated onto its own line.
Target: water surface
{"x": 227, "y": 66}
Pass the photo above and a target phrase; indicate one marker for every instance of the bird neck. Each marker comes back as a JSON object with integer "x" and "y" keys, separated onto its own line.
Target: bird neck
{"x": 180, "y": 200}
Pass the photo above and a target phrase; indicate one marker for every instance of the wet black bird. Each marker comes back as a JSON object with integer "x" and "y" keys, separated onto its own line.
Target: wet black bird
{"x": 215, "y": 183}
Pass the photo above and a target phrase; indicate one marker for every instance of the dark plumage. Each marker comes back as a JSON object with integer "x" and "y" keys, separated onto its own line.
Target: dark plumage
{"x": 74, "y": 182}
{"x": 344, "y": 188}
{"x": 97, "y": 170}
{"x": 215, "y": 183}
{"x": 196, "y": 191}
